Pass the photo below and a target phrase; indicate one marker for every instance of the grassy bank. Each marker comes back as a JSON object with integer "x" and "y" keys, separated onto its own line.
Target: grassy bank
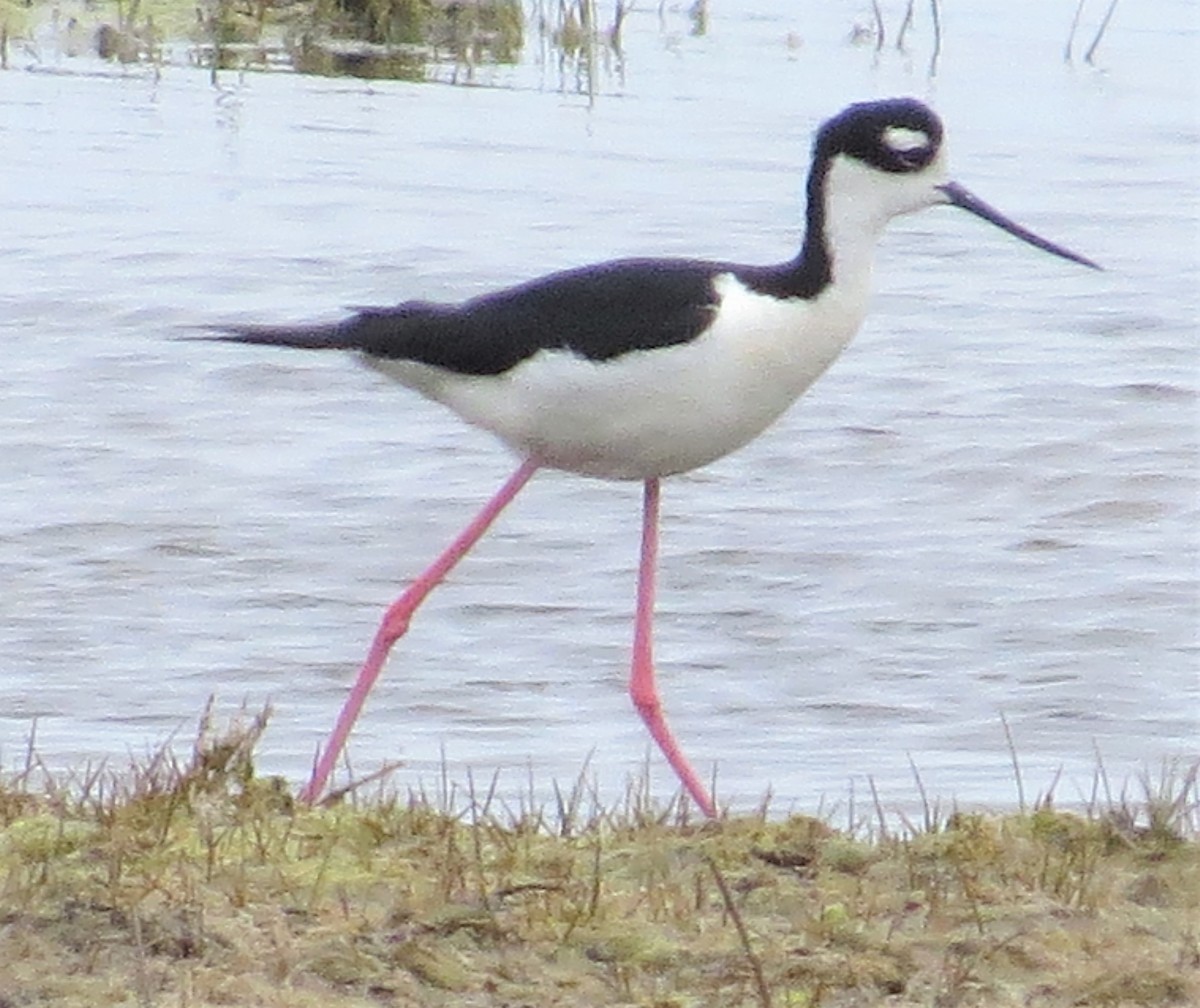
{"x": 199, "y": 882}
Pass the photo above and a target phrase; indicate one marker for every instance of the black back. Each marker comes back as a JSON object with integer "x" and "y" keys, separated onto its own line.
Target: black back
{"x": 603, "y": 311}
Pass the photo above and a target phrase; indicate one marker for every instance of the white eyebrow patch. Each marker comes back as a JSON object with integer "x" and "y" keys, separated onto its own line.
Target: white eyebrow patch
{"x": 900, "y": 139}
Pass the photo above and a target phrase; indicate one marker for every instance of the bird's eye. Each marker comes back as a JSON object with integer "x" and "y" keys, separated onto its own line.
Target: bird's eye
{"x": 909, "y": 147}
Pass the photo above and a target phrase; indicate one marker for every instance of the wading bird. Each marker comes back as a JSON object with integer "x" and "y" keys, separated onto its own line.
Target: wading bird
{"x": 637, "y": 369}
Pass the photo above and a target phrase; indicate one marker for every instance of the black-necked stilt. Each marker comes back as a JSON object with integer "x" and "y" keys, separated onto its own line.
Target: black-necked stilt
{"x": 641, "y": 368}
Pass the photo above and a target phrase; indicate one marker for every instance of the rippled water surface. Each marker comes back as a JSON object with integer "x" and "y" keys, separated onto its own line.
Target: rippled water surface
{"x": 988, "y": 507}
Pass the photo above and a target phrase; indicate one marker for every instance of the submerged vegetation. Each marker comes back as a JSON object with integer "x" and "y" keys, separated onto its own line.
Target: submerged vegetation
{"x": 199, "y": 882}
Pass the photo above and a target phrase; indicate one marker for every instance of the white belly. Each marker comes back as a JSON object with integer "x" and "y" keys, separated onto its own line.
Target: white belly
{"x": 657, "y": 412}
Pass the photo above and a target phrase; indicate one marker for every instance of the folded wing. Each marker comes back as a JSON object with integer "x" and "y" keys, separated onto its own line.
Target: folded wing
{"x": 598, "y": 312}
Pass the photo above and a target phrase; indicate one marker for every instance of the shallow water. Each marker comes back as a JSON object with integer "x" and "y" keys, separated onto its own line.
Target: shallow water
{"x": 987, "y": 507}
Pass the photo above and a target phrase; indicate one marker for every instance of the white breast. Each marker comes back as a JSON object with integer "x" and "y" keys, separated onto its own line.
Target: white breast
{"x": 656, "y": 412}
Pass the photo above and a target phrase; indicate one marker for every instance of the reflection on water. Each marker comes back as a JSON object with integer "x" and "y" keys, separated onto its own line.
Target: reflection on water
{"x": 412, "y": 40}
{"x": 396, "y": 39}
{"x": 988, "y": 505}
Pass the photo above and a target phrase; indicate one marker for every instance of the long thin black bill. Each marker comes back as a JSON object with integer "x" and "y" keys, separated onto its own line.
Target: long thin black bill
{"x": 960, "y": 197}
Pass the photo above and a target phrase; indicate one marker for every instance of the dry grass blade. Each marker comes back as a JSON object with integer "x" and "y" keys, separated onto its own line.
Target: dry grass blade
{"x": 1090, "y": 55}
{"x": 1016, "y": 762}
{"x": 760, "y": 982}
{"x": 1074, "y": 28}
{"x": 338, "y": 794}
{"x": 936, "y": 16}
{"x": 905, "y": 25}
{"x": 879, "y": 29}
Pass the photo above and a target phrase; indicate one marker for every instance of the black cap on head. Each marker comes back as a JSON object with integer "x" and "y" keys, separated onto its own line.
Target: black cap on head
{"x": 895, "y": 135}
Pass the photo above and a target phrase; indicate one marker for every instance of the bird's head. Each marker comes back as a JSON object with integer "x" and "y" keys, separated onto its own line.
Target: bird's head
{"x": 877, "y": 160}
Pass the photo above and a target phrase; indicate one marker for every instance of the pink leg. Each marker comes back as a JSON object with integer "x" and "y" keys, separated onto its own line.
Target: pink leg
{"x": 395, "y": 625}
{"x": 641, "y": 679}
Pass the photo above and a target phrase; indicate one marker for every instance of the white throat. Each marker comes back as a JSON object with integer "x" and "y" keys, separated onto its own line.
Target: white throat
{"x": 859, "y": 203}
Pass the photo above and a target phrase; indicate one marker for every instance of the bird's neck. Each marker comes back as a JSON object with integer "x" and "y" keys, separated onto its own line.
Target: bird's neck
{"x": 845, "y": 223}
{"x": 843, "y": 227}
